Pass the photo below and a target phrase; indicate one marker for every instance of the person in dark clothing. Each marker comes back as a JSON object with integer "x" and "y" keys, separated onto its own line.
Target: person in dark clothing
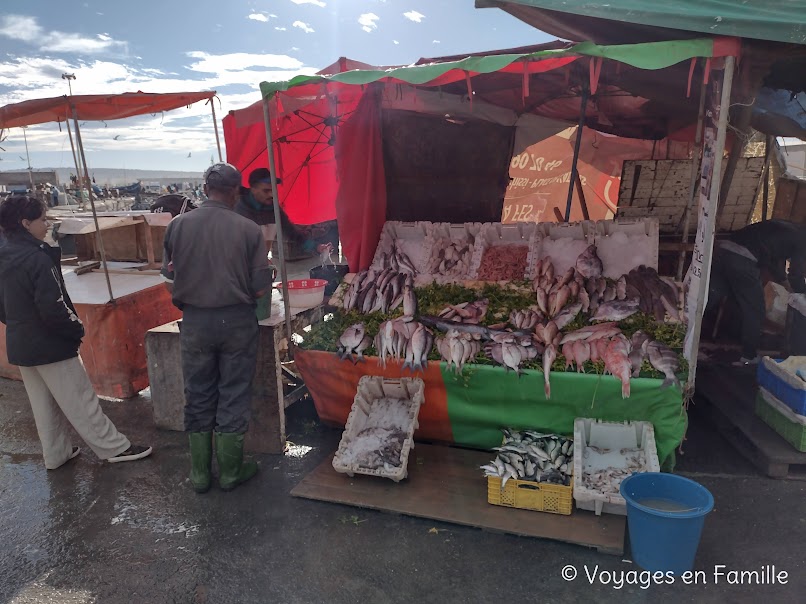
{"x": 738, "y": 267}
{"x": 257, "y": 204}
{"x": 216, "y": 265}
{"x": 43, "y": 334}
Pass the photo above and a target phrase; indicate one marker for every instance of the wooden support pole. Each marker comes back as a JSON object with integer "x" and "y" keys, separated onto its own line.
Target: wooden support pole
{"x": 766, "y": 175}
{"x": 575, "y": 160}
{"x": 692, "y": 189}
{"x": 279, "y": 224}
{"x": 215, "y": 128}
{"x": 714, "y": 165}
{"x": 98, "y": 236}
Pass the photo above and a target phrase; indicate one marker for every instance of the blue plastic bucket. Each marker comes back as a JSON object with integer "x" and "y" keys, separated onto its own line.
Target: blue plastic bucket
{"x": 665, "y": 515}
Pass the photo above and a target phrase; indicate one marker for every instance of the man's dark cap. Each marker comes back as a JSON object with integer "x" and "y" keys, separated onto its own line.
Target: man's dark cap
{"x": 222, "y": 175}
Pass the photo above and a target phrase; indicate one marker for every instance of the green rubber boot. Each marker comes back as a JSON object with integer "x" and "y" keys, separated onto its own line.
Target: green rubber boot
{"x": 201, "y": 459}
{"x": 232, "y": 470}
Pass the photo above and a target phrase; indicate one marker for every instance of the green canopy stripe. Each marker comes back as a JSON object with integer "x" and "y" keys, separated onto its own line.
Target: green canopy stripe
{"x": 652, "y": 55}
{"x": 777, "y": 20}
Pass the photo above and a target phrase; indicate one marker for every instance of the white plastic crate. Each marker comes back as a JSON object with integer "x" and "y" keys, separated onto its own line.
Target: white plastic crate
{"x": 638, "y": 236}
{"x": 370, "y": 389}
{"x": 613, "y": 436}
{"x": 562, "y": 242}
{"x": 493, "y": 234}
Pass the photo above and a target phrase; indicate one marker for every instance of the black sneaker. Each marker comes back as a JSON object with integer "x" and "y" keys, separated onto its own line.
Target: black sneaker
{"x": 133, "y": 453}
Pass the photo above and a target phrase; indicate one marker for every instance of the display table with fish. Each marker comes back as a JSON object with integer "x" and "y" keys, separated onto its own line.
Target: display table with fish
{"x": 469, "y": 408}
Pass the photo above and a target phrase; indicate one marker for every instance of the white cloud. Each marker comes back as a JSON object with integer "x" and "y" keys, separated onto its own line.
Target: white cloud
{"x": 27, "y": 29}
{"x": 368, "y": 22}
{"x": 413, "y": 15}
{"x": 258, "y": 17}
{"x": 20, "y": 27}
{"x": 435, "y": 42}
{"x": 280, "y": 28}
{"x": 395, "y": 42}
{"x": 318, "y": 3}
{"x": 303, "y": 26}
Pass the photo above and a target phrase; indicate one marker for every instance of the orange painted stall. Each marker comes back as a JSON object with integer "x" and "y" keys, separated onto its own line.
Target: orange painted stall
{"x": 113, "y": 349}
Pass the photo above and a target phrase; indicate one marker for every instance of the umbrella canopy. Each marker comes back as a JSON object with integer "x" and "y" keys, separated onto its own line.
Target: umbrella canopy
{"x": 95, "y": 107}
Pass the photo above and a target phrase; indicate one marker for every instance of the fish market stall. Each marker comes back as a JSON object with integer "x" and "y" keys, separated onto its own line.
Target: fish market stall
{"x": 535, "y": 349}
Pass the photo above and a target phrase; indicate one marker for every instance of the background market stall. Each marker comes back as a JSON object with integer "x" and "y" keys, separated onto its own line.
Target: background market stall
{"x": 117, "y": 305}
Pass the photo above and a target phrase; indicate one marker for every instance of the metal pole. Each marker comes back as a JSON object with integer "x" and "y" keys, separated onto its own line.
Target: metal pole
{"x": 766, "y": 172}
{"x": 215, "y": 127}
{"x": 692, "y": 187}
{"x": 73, "y": 148}
{"x": 279, "y": 224}
{"x": 713, "y": 203}
{"x": 30, "y": 172}
{"x": 577, "y": 144}
{"x": 92, "y": 204}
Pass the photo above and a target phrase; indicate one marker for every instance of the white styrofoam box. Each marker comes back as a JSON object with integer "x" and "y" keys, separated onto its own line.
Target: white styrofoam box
{"x": 613, "y": 436}
{"x": 493, "y": 234}
{"x": 563, "y": 242}
{"x": 467, "y": 232}
{"x": 370, "y": 389}
{"x": 625, "y": 244}
{"x": 411, "y": 238}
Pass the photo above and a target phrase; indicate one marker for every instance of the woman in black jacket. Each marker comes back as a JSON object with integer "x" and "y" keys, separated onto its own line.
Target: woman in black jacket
{"x": 43, "y": 334}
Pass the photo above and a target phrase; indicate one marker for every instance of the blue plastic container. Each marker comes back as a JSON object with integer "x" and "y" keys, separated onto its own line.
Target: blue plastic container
{"x": 794, "y": 398}
{"x": 665, "y": 515}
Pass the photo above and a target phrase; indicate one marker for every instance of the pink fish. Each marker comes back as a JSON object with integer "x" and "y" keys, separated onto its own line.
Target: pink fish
{"x": 582, "y": 352}
{"x": 601, "y": 348}
{"x": 617, "y": 362}
{"x": 542, "y": 300}
{"x": 568, "y": 353}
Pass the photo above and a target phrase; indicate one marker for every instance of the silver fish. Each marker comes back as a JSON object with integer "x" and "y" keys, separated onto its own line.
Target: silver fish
{"x": 616, "y": 310}
{"x": 568, "y": 315}
{"x": 609, "y": 293}
{"x": 417, "y": 345}
{"x": 665, "y": 360}
{"x": 362, "y": 346}
{"x": 409, "y": 300}
{"x": 542, "y": 300}
{"x": 589, "y": 264}
{"x": 621, "y": 288}
{"x": 638, "y": 351}
{"x": 350, "y": 339}
{"x": 511, "y": 356}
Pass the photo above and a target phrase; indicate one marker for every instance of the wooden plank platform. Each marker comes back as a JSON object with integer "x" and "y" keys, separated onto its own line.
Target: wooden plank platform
{"x": 445, "y": 484}
{"x": 730, "y": 395}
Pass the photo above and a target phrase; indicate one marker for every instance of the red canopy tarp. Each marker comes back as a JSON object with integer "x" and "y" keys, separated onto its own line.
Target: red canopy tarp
{"x": 95, "y": 107}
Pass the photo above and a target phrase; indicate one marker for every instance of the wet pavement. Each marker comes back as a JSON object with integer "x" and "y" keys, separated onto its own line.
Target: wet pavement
{"x": 94, "y": 532}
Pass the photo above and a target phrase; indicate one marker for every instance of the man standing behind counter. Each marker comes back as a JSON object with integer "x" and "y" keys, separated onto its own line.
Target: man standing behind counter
{"x": 216, "y": 265}
{"x": 257, "y": 204}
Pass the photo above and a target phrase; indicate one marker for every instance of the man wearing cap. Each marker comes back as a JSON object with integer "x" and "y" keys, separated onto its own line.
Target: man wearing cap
{"x": 257, "y": 204}
{"x": 216, "y": 264}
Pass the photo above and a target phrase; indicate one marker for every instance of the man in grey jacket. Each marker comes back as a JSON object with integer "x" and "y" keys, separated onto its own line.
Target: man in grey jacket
{"x": 216, "y": 265}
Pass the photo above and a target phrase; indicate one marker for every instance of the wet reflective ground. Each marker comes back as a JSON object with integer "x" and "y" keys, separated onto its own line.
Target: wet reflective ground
{"x": 135, "y": 532}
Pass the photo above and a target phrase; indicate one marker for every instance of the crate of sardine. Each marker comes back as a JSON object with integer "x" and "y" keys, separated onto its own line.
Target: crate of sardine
{"x": 532, "y": 471}
{"x": 605, "y": 453}
{"x": 401, "y": 247}
{"x": 379, "y": 433}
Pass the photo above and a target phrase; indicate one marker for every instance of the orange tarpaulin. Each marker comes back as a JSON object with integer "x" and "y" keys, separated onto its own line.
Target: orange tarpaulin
{"x": 95, "y": 107}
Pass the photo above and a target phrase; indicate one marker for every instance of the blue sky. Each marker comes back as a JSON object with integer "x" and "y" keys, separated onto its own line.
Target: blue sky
{"x": 183, "y": 45}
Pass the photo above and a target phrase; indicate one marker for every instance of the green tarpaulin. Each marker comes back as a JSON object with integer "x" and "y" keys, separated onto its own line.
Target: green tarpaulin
{"x": 484, "y": 399}
{"x": 654, "y": 55}
{"x": 775, "y": 20}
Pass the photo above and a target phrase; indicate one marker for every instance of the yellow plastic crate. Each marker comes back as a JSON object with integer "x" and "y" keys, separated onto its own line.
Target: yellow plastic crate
{"x": 530, "y": 495}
